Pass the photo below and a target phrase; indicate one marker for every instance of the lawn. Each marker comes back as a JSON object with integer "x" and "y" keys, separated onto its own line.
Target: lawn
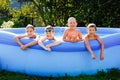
{"x": 111, "y": 74}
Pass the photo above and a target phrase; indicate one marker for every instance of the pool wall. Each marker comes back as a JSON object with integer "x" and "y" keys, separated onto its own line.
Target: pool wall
{"x": 36, "y": 61}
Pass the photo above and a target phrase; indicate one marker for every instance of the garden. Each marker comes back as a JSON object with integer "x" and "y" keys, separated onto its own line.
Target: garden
{"x": 53, "y": 12}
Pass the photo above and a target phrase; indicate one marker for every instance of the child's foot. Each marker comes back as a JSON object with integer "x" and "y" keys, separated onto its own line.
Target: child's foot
{"x": 101, "y": 57}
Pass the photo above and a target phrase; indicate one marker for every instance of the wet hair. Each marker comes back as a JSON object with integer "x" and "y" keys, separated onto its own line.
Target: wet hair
{"x": 49, "y": 28}
{"x": 30, "y": 26}
{"x": 92, "y": 25}
{"x": 71, "y": 18}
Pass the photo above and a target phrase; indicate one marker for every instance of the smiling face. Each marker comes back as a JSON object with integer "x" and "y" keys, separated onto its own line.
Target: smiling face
{"x": 91, "y": 30}
{"x": 72, "y": 23}
{"x": 30, "y": 32}
{"x": 49, "y": 32}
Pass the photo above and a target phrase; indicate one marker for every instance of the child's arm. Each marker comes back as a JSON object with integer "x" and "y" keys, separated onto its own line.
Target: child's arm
{"x": 80, "y": 35}
{"x": 37, "y": 38}
{"x": 31, "y": 43}
{"x": 53, "y": 44}
{"x": 102, "y": 48}
{"x": 89, "y": 48}
{"x": 65, "y": 35}
{"x": 40, "y": 43}
{"x": 101, "y": 43}
{"x": 17, "y": 39}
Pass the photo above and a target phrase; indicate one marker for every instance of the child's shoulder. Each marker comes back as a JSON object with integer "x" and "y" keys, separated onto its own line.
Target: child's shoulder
{"x": 88, "y": 36}
{"x": 67, "y": 30}
{"x": 77, "y": 29}
{"x": 20, "y": 36}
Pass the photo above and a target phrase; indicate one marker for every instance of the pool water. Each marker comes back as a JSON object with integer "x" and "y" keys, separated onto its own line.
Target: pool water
{"x": 59, "y": 36}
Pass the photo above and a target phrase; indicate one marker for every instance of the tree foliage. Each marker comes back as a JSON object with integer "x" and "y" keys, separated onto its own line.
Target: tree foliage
{"x": 56, "y": 12}
{"x": 4, "y": 10}
{"x": 103, "y": 13}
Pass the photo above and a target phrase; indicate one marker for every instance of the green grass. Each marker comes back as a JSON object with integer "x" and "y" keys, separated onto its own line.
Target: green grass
{"x": 111, "y": 74}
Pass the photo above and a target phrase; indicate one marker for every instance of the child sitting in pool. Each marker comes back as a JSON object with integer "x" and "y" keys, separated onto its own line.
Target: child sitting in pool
{"x": 30, "y": 33}
{"x": 72, "y": 34}
{"x": 49, "y": 35}
{"x": 91, "y": 29}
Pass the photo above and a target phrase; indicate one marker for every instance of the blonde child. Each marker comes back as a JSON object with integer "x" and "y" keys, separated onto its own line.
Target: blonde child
{"x": 49, "y": 35}
{"x": 30, "y": 33}
{"x": 71, "y": 34}
{"x": 91, "y": 29}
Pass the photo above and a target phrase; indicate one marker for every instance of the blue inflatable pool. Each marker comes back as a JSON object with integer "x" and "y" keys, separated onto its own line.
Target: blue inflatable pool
{"x": 67, "y": 58}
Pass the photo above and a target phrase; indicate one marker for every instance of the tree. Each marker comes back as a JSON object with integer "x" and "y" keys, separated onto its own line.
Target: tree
{"x": 56, "y": 12}
{"x": 5, "y": 13}
{"x": 100, "y": 12}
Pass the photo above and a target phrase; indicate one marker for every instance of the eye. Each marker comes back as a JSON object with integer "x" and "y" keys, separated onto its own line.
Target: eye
{"x": 93, "y": 30}
{"x": 73, "y": 22}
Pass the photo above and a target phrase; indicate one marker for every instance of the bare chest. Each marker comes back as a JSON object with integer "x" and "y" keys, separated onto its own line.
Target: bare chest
{"x": 71, "y": 33}
{"x": 92, "y": 37}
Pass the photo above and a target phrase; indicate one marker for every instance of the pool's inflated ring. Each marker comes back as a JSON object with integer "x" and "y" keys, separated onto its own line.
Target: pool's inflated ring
{"x": 110, "y": 40}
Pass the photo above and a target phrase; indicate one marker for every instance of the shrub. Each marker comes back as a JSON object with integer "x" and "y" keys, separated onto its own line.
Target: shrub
{"x": 8, "y": 24}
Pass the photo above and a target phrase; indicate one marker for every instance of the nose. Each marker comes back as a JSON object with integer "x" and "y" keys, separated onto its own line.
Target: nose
{"x": 29, "y": 33}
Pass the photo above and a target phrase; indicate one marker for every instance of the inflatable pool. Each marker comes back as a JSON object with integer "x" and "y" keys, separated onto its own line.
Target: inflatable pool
{"x": 67, "y": 58}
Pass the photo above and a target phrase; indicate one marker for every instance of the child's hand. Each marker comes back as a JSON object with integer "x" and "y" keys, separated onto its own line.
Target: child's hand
{"x": 23, "y": 47}
{"x": 74, "y": 38}
{"x": 101, "y": 56}
{"x": 48, "y": 49}
{"x": 48, "y": 46}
